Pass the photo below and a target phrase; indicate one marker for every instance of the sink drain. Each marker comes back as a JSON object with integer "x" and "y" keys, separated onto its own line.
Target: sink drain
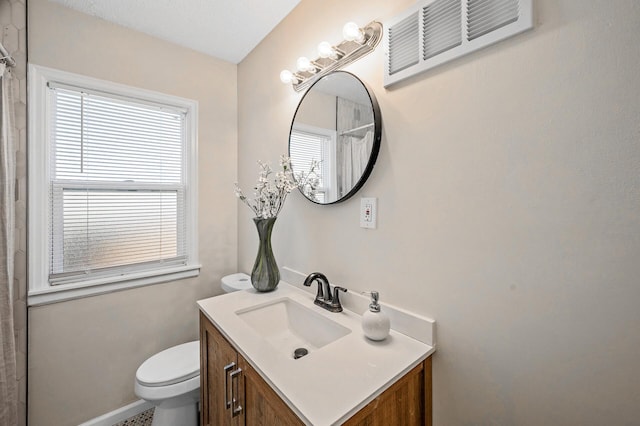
{"x": 299, "y": 353}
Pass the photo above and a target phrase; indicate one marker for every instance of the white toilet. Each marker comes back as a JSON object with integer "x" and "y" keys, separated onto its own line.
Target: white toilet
{"x": 170, "y": 379}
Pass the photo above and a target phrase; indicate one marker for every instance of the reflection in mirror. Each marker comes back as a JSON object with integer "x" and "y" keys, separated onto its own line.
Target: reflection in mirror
{"x": 338, "y": 124}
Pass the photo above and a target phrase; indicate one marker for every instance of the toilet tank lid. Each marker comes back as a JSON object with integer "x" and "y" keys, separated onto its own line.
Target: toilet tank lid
{"x": 236, "y": 282}
{"x": 173, "y": 365}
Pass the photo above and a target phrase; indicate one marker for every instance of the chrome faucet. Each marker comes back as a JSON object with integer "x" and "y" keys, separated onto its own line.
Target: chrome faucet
{"x": 324, "y": 297}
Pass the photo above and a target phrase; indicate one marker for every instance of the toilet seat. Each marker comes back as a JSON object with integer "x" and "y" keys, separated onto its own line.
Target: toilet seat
{"x": 174, "y": 365}
{"x": 165, "y": 393}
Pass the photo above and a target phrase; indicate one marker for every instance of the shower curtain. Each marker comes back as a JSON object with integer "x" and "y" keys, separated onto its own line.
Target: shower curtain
{"x": 353, "y": 149}
{"x": 8, "y": 384}
{"x": 356, "y": 151}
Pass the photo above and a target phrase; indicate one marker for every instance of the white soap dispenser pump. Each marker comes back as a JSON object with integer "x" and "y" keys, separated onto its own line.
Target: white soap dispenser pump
{"x": 375, "y": 323}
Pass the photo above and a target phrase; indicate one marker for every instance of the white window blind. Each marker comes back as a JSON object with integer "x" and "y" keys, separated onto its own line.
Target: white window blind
{"x": 307, "y": 146}
{"x": 117, "y": 185}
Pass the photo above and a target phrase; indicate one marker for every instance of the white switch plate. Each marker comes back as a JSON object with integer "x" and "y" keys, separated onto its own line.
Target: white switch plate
{"x": 368, "y": 212}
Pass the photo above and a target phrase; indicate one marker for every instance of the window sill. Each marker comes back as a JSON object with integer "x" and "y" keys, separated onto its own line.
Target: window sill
{"x": 62, "y": 293}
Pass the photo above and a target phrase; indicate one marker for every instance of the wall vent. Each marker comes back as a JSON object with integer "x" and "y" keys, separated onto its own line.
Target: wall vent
{"x": 441, "y": 27}
{"x": 404, "y": 44}
{"x": 433, "y": 32}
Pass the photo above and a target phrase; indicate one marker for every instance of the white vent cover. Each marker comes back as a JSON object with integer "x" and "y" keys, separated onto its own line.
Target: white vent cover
{"x": 404, "y": 42}
{"x": 433, "y": 32}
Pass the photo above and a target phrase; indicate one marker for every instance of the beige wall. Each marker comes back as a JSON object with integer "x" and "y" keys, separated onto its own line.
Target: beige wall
{"x": 83, "y": 354}
{"x": 508, "y": 191}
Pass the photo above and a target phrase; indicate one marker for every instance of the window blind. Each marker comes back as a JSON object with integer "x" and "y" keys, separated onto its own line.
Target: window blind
{"x": 117, "y": 185}
{"x": 306, "y": 147}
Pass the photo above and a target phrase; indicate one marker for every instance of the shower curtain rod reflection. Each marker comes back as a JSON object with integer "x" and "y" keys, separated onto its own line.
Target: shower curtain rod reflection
{"x": 356, "y": 129}
{"x": 6, "y": 57}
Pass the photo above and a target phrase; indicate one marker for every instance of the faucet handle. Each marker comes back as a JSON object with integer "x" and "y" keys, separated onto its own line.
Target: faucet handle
{"x": 335, "y": 301}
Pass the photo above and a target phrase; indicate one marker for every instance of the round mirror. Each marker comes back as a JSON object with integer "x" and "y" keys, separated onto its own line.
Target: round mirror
{"x": 336, "y": 126}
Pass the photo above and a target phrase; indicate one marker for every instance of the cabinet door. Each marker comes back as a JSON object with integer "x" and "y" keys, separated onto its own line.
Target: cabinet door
{"x": 262, "y": 406}
{"x": 215, "y": 354}
{"x": 407, "y": 402}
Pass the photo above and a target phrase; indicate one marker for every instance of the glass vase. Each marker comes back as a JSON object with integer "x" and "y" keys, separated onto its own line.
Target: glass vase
{"x": 265, "y": 275}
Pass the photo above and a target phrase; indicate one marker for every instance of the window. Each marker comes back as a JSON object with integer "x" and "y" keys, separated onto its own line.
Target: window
{"x": 310, "y": 143}
{"x": 114, "y": 197}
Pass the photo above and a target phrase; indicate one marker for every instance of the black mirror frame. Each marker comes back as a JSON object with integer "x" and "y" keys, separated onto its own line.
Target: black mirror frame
{"x": 377, "y": 137}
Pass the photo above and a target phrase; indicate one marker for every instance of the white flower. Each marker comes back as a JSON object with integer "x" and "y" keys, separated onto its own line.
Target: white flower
{"x": 285, "y": 162}
{"x": 269, "y": 196}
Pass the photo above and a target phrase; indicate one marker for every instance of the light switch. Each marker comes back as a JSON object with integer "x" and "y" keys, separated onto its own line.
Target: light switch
{"x": 368, "y": 212}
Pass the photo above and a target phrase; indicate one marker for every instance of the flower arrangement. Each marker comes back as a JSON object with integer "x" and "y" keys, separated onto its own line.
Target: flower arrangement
{"x": 270, "y": 195}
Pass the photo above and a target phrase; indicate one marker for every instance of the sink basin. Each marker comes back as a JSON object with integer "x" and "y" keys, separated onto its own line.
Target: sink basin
{"x": 287, "y": 325}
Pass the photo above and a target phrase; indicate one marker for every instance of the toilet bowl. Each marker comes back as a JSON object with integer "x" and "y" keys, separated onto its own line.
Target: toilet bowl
{"x": 170, "y": 379}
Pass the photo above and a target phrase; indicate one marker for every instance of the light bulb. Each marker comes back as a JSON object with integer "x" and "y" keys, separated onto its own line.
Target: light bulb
{"x": 351, "y": 32}
{"x": 304, "y": 64}
{"x": 325, "y": 50}
{"x": 286, "y": 76}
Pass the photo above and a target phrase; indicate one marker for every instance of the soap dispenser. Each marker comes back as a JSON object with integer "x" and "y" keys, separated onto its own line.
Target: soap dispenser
{"x": 375, "y": 323}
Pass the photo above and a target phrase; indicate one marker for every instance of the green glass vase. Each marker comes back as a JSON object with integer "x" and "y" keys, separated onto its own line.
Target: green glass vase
{"x": 265, "y": 275}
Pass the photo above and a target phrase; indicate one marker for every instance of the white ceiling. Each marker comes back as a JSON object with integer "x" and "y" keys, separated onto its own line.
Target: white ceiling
{"x": 226, "y": 29}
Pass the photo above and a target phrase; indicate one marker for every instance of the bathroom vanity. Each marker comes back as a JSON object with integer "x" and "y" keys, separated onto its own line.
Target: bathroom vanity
{"x": 249, "y": 374}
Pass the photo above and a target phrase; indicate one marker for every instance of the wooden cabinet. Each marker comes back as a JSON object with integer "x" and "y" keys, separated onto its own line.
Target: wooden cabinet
{"x": 233, "y": 393}
{"x": 406, "y": 402}
{"x": 263, "y": 405}
{"x": 217, "y": 360}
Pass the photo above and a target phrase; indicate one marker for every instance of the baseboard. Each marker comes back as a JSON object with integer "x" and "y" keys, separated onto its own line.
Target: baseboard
{"x": 120, "y": 414}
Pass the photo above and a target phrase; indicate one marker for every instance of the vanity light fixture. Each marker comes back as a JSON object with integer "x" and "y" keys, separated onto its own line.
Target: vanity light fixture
{"x": 304, "y": 65}
{"x": 357, "y": 43}
{"x": 326, "y": 50}
{"x": 287, "y": 77}
{"x": 352, "y": 32}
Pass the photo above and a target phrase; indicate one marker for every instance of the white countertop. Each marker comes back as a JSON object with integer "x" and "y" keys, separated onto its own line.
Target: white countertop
{"x": 330, "y": 384}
